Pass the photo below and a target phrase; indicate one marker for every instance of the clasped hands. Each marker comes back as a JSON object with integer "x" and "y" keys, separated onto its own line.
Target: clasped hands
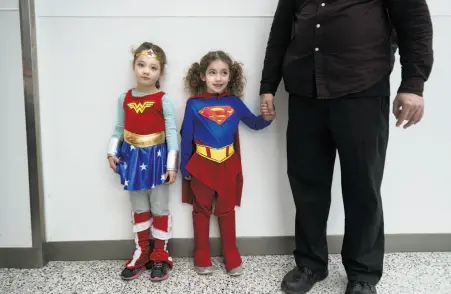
{"x": 267, "y": 107}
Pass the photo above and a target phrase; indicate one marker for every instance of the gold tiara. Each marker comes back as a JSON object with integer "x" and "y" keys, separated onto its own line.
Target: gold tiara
{"x": 149, "y": 53}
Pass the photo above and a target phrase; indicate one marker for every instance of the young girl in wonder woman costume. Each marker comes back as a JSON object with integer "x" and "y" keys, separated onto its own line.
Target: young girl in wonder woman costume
{"x": 143, "y": 151}
{"x": 211, "y": 159}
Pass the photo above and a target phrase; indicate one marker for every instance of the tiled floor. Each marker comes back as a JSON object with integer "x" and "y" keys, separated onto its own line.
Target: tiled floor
{"x": 422, "y": 273}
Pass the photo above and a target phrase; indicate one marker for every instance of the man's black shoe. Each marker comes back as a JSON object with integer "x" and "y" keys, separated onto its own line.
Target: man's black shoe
{"x": 301, "y": 281}
{"x": 358, "y": 287}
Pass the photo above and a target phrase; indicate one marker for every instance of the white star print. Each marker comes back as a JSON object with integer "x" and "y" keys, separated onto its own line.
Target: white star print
{"x": 126, "y": 183}
{"x": 159, "y": 153}
{"x": 153, "y": 186}
{"x": 125, "y": 165}
{"x": 143, "y": 166}
{"x": 163, "y": 178}
{"x": 132, "y": 147}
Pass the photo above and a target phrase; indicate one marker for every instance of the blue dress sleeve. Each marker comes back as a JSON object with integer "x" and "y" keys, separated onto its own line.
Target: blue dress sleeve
{"x": 170, "y": 123}
{"x": 249, "y": 119}
{"x": 187, "y": 134}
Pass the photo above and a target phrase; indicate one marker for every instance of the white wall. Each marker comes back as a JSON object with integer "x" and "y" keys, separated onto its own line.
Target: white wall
{"x": 15, "y": 224}
{"x": 85, "y": 63}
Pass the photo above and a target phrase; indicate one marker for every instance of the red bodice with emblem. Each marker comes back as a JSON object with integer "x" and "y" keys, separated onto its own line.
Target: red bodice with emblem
{"x": 144, "y": 115}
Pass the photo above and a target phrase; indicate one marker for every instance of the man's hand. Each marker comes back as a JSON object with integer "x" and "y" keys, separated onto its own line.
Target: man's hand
{"x": 268, "y": 111}
{"x": 408, "y": 107}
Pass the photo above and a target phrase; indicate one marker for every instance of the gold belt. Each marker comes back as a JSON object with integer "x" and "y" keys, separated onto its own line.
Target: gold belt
{"x": 215, "y": 154}
{"x": 142, "y": 141}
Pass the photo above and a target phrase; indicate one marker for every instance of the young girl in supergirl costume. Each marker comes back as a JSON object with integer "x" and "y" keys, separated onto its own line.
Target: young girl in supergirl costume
{"x": 143, "y": 151}
{"x": 210, "y": 153}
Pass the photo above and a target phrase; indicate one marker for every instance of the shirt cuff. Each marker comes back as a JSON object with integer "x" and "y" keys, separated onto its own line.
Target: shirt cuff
{"x": 266, "y": 88}
{"x": 412, "y": 86}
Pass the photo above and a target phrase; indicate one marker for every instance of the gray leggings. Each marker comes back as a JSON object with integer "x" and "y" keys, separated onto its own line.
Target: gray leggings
{"x": 155, "y": 201}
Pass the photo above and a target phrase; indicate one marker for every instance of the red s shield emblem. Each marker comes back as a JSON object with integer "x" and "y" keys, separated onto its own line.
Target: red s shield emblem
{"x": 218, "y": 114}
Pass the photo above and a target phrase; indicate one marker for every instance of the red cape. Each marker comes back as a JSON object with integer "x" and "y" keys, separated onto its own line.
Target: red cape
{"x": 187, "y": 193}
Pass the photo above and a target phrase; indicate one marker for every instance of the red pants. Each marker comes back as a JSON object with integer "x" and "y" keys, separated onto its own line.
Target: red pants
{"x": 225, "y": 211}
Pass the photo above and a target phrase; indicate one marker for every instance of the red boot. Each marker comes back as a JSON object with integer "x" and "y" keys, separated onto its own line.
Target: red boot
{"x": 137, "y": 264}
{"x": 201, "y": 224}
{"x": 232, "y": 257}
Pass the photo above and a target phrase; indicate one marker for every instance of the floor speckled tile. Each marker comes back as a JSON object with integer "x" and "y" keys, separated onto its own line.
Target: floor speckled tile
{"x": 5, "y": 281}
{"x": 405, "y": 273}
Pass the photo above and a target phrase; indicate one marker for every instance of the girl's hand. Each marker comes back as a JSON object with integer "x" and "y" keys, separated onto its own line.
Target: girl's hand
{"x": 113, "y": 162}
{"x": 170, "y": 176}
{"x": 188, "y": 178}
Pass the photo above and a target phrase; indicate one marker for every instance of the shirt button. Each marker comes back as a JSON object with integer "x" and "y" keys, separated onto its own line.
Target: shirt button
{"x": 318, "y": 25}
{"x": 316, "y": 49}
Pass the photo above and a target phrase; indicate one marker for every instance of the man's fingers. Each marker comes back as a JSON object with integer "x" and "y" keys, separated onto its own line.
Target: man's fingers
{"x": 416, "y": 117}
{"x": 270, "y": 108}
{"x": 411, "y": 120}
{"x": 405, "y": 114}
{"x": 421, "y": 115}
{"x": 396, "y": 108}
{"x": 270, "y": 105}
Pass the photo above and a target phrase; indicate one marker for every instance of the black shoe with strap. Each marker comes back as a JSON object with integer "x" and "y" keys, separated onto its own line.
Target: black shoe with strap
{"x": 160, "y": 271}
{"x": 301, "y": 280}
{"x": 131, "y": 274}
{"x": 359, "y": 287}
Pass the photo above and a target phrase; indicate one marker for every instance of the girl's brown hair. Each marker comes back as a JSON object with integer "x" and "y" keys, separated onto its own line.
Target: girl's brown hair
{"x": 194, "y": 84}
{"x": 157, "y": 50}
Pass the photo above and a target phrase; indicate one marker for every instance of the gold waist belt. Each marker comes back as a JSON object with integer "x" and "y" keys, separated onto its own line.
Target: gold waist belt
{"x": 143, "y": 141}
{"x": 215, "y": 154}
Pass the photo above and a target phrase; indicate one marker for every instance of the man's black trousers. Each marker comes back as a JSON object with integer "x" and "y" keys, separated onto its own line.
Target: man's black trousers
{"x": 358, "y": 128}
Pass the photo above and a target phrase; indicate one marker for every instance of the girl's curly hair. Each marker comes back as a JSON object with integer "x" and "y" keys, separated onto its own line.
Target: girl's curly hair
{"x": 194, "y": 84}
{"x": 157, "y": 50}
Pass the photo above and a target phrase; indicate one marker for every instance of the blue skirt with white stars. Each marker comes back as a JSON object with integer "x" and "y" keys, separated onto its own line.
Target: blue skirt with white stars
{"x": 142, "y": 168}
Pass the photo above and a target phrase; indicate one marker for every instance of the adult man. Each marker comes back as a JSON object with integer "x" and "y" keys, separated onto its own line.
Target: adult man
{"x": 335, "y": 57}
